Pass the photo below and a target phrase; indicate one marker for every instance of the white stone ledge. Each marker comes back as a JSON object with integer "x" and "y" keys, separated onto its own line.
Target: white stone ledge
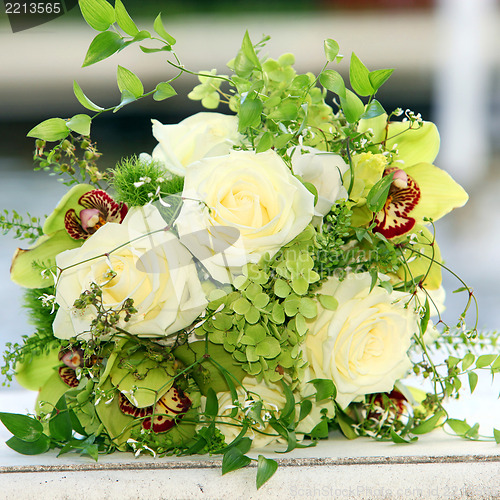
{"x": 437, "y": 466}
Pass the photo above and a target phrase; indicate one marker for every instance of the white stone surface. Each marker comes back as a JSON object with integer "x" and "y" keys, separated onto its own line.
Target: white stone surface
{"x": 438, "y": 466}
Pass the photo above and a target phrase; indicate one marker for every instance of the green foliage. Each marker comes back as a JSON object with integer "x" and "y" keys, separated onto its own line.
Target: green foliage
{"x": 137, "y": 182}
{"x": 41, "y": 306}
{"x": 74, "y": 157}
{"x": 41, "y": 310}
{"x": 263, "y": 322}
{"x": 28, "y": 227}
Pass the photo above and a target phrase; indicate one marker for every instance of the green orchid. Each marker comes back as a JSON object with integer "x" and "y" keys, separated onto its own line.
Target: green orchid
{"x": 28, "y": 264}
{"x": 35, "y": 371}
{"x": 419, "y": 190}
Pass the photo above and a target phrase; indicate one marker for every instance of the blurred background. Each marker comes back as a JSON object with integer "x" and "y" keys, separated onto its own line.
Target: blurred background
{"x": 447, "y": 60}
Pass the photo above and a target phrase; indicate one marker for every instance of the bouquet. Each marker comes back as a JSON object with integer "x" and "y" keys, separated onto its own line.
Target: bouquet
{"x": 263, "y": 277}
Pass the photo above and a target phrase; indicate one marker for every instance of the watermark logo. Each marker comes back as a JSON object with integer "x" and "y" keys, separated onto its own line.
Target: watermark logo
{"x": 26, "y": 14}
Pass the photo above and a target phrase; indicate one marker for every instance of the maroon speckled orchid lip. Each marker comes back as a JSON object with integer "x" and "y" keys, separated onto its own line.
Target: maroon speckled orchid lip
{"x": 394, "y": 219}
{"x": 98, "y": 208}
{"x": 68, "y": 376}
{"x": 167, "y": 411}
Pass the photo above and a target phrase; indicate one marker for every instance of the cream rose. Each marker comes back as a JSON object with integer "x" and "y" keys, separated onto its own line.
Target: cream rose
{"x": 198, "y": 136}
{"x": 154, "y": 270}
{"x": 324, "y": 171}
{"x": 273, "y": 402}
{"x": 250, "y": 204}
{"x": 362, "y": 345}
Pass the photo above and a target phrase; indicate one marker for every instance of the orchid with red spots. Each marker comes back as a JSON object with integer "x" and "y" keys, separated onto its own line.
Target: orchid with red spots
{"x": 162, "y": 416}
{"x": 404, "y": 194}
{"x": 98, "y": 208}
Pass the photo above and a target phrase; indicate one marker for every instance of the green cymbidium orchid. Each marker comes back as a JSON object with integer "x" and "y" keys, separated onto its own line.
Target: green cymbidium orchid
{"x": 419, "y": 189}
{"x": 26, "y": 264}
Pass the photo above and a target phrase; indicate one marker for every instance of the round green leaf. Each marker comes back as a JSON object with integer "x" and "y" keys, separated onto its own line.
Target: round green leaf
{"x": 99, "y": 14}
{"x": 163, "y": 91}
{"x": 53, "y": 129}
{"x": 331, "y": 49}
{"x": 80, "y": 124}
{"x": 25, "y": 428}
{"x": 124, "y": 20}
{"x": 41, "y": 445}
{"x": 102, "y": 46}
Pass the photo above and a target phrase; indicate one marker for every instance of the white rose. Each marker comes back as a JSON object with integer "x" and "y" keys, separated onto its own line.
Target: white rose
{"x": 324, "y": 171}
{"x": 362, "y": 345}
{"x": 252, "y": 204}
{"x": 273, "y": 401}
{"x": 198, "y": 136}
{"x": 154, "y": 270}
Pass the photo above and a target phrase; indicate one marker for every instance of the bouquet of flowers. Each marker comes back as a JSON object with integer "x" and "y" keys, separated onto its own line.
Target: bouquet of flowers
{"x": 262, "y": 278}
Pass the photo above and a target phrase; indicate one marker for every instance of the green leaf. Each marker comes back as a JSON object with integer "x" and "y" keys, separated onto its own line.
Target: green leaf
{"x": 288, "y": 412}
{"x": 249, "y": 114}
{"x": 102, "y": 46}
{"x": 83, "y": 99}
{"x": 328, "y": 302}
{"x": 485, "y": 360}
{"x": 331, "y": 49}
{"x": 249, "y": 52}
{"x": 428, "y": 425}
{"x": 127, "y": 80}
{"x": 496, "y": 435}
{"x": 265, "y": 143}
{"x": 468, "y": 361}
{"x": 281, "y": 288}
{"x": 60, "y": 422}
{"x": 99, "y": 14}
{"x": 212, "y": 405}
{"x": 26, "y": 428}
{"x": 53, "y": 129}
{"x": 320, "y": 430}
{"x": 308, "y": 307}
{"x": 473, "y": 377}
{"x": 452, "y": 361}
{"x": 333, "y": 81}
{"x": 378, "y": 193}
{"x": 147, "y": 50}
{"x": 80, "y": 124}
{"x": 300, "y": 286}
{"x": 325, "y": 388}
{"x": 266, "y": 467}
{"x": 305, "y": 409}
{"x": 473, "y": 432}
{"x": 399, "y": 439}
{"x": 427, "y": 314}
{"x": 352, "y": 106}
{"x": 41, "y": 445}
{"x": 379, "y": 77}
{"x": 163, "y": 91}
{"x": 234, "y": 459}
{"x": 459, "y": 427}
{"x": 268, "y": 348}
{"x": 359, "y": 77}
{"x": 373, "y": 110}
{"x": 127, "y": 98}
{"x": 143, "y": 34}
{"x": 124, "y": 20}
{"x": 346, "y": 425}
{"x": 160, "y": 29}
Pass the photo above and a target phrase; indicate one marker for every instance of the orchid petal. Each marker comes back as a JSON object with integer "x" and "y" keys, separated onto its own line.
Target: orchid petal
{"x": 44, "y": 251}
{"x": 376, "y": 126}
{"x": 440, "y": 193}
{"x": 414, "y": 145}
{"x": 422, "y": 260}
{"x": 55, "y": 221}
